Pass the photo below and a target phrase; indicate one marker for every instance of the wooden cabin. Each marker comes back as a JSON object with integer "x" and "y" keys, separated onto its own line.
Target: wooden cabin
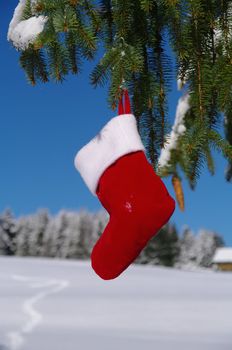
{"x": 222, "y": 259}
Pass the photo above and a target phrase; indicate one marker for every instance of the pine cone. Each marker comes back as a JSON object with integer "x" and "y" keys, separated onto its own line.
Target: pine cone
{"x": 176, "y": 182}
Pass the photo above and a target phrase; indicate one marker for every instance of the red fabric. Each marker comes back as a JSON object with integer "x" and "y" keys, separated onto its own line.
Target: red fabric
{"x": 127, "y": 108}
{"x": 139, "y": 205}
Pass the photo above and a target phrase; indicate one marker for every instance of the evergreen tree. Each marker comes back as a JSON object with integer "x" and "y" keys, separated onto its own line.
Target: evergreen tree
{"x": 100, "y": 221}
{"x": 25, "y": 227}
{"x": 206, "y": 244}
{"x": 187, "y": 255}
{"x": 86, "y": 230}
{"x": 198, "y": 250}
{"x": 163, "y": 249}
{"x": 8, "y": 233}
{"x": 40, "y": 225}
{"x": 134, "y": 36}
{"x": 73, "y": 235}
{"x": 57, "y": 235}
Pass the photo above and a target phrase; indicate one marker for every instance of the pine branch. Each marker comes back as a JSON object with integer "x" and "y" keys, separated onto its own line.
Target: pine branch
{"x": 134, "y": 37}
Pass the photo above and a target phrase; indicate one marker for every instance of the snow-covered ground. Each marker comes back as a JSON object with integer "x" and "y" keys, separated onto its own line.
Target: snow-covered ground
{"x": 62, "y": 305}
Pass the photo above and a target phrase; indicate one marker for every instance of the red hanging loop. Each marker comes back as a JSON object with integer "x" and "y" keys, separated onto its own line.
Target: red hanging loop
{"x": 124, "y": 108}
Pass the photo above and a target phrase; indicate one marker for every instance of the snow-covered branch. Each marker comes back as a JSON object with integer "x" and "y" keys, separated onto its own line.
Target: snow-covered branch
{"x": 22, "y": 33}
{"x": 178, "y": 129}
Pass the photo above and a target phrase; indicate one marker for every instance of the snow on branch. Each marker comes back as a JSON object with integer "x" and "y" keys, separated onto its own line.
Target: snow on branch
{"x": 178, "y": 129}
{"x": 218, "y": 33}
{"x": 22, "y": 33}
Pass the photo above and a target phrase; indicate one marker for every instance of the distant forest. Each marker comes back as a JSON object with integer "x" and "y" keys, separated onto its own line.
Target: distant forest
{"x": 72, "y": 235}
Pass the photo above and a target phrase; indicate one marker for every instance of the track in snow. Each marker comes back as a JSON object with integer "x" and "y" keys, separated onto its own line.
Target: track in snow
{"x": 55, "y": 305}
{"x": 17, "y": 338}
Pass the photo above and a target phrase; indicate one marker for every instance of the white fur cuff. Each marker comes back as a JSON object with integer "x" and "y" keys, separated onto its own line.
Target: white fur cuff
{"x": 117, "y": 138}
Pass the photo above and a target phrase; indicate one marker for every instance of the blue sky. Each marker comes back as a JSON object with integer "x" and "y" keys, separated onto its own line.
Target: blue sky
{"x": 43, "y": 127}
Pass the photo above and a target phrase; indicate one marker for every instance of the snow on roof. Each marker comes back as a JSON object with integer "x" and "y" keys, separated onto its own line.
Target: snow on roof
{"x": 223, "y": 255}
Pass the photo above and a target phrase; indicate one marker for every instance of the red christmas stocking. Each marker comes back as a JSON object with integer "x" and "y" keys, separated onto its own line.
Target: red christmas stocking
{"x": 115, "y": 168}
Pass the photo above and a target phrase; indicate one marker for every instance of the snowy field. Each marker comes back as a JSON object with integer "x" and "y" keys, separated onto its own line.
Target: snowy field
{"x": 62, "y": 305}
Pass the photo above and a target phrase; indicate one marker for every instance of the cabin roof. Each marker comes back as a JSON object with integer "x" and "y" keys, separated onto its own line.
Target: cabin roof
{"x": 223, "y": 255}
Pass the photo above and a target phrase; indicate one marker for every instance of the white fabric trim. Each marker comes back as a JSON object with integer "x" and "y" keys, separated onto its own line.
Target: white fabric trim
{"x": 118, "y": 137}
